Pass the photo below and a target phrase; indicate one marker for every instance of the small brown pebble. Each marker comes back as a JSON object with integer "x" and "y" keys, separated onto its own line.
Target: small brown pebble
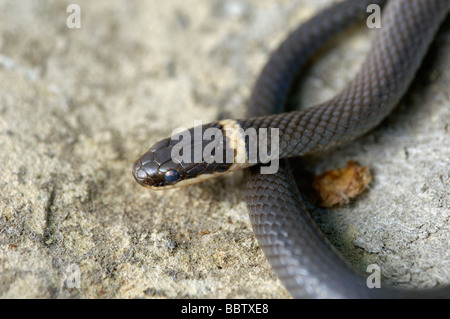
{"x": 338, "y": 186}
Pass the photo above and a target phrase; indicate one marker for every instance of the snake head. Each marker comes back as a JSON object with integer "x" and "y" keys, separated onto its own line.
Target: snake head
{"x": 156, "y": 169}
{"x": 159, "y": 168}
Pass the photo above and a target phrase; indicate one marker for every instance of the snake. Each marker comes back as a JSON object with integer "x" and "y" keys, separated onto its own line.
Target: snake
{"x": 300, "y": 255}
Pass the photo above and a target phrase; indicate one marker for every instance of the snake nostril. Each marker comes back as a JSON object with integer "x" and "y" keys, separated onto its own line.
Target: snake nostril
{"x": 136, "y": 166}
{"x": 139, "y": 173}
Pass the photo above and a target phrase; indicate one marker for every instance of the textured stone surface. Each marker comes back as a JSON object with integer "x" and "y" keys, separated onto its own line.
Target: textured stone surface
{"x": 77, "y": 106}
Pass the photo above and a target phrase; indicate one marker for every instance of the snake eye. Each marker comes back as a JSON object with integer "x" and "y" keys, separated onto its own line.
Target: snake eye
{"x": 171, "y": 176}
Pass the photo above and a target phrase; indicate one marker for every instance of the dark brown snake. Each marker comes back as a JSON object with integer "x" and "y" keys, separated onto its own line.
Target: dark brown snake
{"x": 300, "y": 255}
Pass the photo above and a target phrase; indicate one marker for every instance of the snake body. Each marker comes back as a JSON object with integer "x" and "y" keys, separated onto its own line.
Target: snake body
{"x": 301, "y": 257}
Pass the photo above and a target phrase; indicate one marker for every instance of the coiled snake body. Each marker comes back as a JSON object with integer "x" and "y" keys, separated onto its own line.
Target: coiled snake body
{"x": 301, "y": 257}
